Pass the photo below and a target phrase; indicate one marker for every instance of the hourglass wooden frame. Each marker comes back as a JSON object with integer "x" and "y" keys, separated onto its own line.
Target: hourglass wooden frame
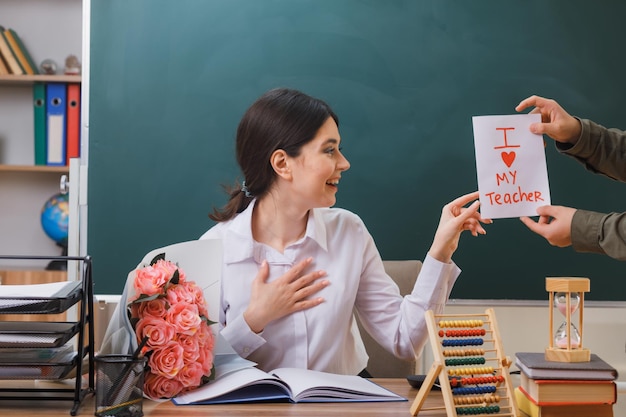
{"x": 567, "y": 285}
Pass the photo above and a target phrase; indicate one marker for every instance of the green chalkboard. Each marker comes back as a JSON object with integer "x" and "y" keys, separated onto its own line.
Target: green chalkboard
{"x": 170, "y": 79}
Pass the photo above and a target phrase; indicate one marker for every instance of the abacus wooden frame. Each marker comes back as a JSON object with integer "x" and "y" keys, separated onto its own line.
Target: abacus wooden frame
{"x": 439, "y": 369}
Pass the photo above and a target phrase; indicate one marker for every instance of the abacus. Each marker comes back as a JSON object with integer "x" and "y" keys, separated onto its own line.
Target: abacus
{"x": 470, "y": 364}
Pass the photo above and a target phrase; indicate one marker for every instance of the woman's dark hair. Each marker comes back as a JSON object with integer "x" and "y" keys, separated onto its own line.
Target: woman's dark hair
{"x": 281, "y": 118}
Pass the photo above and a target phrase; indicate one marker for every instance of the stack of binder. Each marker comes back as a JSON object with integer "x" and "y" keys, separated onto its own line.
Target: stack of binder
{"x": 57, "y": 123}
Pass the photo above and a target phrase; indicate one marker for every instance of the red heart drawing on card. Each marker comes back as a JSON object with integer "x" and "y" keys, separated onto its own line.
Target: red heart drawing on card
{"x": 508, "y": 158}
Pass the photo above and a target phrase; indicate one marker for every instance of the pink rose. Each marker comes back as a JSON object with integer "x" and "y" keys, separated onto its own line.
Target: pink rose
{"x": 184, "y": 317}
{"x": 191, "y": 375}
{"x": 190, "y": 347}
{"x": 156, "y": 386}
{"x": 167, "y": 360}
{"x": 205, "y": 336}
{"x": 206, "y": 360}
{"x": 151, "y": 279}
{"x": 168, "y": 268}
{"x": 155, "y": 308}
{"x": 180, "y": 294}
{"x": 196, "y": 292}
{"x": 159, "y": 331}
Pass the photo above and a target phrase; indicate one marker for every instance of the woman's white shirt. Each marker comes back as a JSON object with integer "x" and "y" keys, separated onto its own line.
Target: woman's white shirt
{"x": 326, "y": 337}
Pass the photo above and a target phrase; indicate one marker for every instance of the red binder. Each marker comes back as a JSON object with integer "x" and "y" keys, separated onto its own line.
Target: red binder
{"x": 73, "y": 121}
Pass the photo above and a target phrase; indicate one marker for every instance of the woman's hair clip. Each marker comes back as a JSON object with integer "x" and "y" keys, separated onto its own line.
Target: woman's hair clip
{"x": 244, "y": 189}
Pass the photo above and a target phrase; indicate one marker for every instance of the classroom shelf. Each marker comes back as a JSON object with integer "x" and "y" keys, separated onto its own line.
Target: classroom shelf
{"x": 31, "y": 79}
{"x": 35, "y": 168}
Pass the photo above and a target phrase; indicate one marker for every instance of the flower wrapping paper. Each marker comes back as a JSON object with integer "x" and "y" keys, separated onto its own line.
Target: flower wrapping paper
{"x": 179, "y": 350}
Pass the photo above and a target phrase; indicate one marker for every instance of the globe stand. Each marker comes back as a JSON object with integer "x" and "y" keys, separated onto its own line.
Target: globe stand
{"x": 58, "y": 264}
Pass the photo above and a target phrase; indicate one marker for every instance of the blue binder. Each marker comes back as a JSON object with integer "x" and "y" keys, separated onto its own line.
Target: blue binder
{"x": 56, "y": 117}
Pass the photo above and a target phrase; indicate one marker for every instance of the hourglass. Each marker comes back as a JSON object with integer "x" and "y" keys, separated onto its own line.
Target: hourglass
{"x": 567, "y": 296}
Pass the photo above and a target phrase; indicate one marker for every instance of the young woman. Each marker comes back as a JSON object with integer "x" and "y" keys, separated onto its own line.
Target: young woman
{"x": 295, "y": 270}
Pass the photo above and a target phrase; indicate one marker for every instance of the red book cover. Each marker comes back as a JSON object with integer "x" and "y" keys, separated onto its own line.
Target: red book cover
{"x": 566, "y": 391}
{"x": 73, "y": 121}
{"x": 527, "y": 407}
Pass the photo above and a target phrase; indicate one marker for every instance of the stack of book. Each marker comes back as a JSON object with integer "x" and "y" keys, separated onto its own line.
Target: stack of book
{"x": 14, "y": 57}
{"x": 565, "y": 389}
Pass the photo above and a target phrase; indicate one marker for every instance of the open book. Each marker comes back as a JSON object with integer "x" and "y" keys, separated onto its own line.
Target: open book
{"x": 245, "y": 383}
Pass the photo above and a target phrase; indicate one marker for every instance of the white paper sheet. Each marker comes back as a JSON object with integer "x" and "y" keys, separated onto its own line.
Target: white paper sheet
{"x": 202, "y": 262}
{"x": 510, "y": 166}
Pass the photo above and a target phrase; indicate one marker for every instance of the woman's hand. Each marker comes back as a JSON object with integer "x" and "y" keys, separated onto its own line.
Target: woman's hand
{"x": 289, "y": 293}
{"x": 455, "y": 218}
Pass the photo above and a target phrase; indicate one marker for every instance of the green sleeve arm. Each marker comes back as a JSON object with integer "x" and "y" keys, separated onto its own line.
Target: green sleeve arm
{"x": 600, "y": 233}
{"x": 600, "y": 150}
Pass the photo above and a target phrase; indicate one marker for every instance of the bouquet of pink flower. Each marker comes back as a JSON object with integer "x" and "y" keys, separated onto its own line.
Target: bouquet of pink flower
{"x": 170, "y": 316}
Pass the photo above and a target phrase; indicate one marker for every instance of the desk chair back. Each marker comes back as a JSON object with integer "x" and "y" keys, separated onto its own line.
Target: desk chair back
{"x": 383, "y": 364}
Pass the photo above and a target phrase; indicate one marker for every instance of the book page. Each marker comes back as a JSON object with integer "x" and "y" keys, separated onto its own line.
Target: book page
{"x": 231, "y": 382}
{"x": 314, "y": 386}
{"x": 228, "y": 363}
{"x": 238, "y": 381}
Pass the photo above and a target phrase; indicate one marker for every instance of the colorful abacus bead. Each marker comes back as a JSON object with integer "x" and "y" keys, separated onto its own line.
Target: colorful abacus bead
{"x": 478, "y": 399}
{"x": 471, "y": 371}
{"x": 490, "y": 409}
{"x": 462, "y": 333}
{"x": 462, "y": 342}
{"x": 464, "y": 352}
{"x": 465, "y": 361}
{"x": 460, "y": 323}
{"x": 489, "y": 389}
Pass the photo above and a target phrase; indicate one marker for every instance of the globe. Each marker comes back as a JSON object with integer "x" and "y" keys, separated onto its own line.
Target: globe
{"x": 55, "y": 218}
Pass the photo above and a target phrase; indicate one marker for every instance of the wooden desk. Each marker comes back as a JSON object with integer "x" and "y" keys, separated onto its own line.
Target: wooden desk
{"x": 154, "y": 409}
